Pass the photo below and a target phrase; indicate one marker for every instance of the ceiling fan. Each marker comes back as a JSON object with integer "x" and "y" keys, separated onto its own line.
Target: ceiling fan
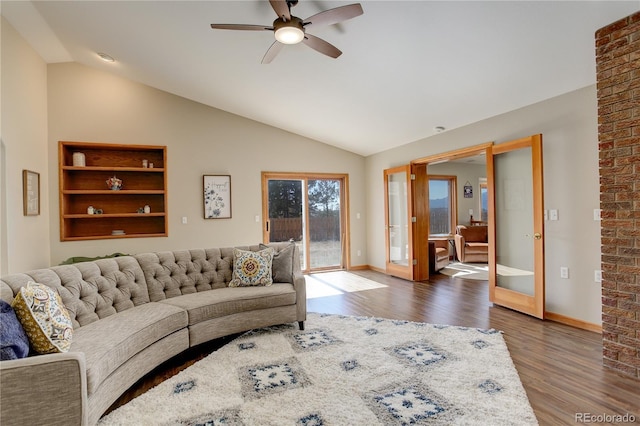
{"x": 289, "y": 29}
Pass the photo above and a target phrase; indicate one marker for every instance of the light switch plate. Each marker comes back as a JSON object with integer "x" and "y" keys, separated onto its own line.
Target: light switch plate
{"x": 564, "y": 272}
{"x": 597, "y": 214}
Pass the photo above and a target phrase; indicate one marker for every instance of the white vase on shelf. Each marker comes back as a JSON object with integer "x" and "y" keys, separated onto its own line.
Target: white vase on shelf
{"x": 78, "y": 159}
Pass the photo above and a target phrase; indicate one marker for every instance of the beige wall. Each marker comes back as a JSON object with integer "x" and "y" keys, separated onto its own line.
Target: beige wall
{"x": 569, "y": 127}
{"x": 86, "y": 104}
{"x": 24, "y": 240}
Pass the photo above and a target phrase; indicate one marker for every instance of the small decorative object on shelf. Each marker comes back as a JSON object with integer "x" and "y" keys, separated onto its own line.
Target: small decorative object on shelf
{"x": 145, "y": 164}
{"x": 78, "y": 159}
{"x": 90, "y": 210}
{"x": 147, "y": 209}
{"x": 98, "y": 211}
{"x": 114, "y": 183}
{"x": 151, "y": 165}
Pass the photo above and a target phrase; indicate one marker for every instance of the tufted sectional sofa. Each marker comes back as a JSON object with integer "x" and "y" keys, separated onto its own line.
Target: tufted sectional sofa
{"x": 129, "y": 315}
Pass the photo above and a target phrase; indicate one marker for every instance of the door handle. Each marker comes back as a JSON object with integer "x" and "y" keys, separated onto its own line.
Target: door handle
{"x": 536, "y": 236}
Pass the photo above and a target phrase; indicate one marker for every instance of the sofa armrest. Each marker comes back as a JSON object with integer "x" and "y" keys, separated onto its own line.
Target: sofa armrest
{"x": 459, "y": 242}
{"x": 44, "y": 389}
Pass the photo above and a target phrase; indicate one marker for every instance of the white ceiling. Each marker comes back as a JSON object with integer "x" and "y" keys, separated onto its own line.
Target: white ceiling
{"x": 407, "y": 66}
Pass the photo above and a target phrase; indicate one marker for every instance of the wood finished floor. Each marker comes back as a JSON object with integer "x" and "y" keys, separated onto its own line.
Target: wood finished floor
{"x": 560, "y": 366}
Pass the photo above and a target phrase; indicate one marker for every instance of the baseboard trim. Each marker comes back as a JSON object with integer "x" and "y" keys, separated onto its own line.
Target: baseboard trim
{"x": 562, "y": 319}
{"x": 382, "y": 271}
{"x": 359, "y": 268}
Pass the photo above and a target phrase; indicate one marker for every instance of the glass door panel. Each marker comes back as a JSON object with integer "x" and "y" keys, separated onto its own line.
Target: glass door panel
{"x": 516, "y": 259}
{"x": 514, "y": 221}
{"x": 325, "y": 230}
{"x": 307, "y": 209}
{"x": 397, "y": 217}
{"x": 286, "y": 213}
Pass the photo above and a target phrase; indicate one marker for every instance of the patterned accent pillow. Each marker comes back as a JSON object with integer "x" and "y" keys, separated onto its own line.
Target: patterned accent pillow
{"x": 44, "y": 318}
{"x": 252, "y": 268}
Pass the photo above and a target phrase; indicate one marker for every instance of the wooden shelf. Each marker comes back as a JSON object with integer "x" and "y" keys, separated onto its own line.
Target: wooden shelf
{"x": 110, "y": 192}
{"x": 113, "y": 237}
{"x": 115, "y": 169}
{"x": 84, "y": 186}
{"x": 104, "y": 216}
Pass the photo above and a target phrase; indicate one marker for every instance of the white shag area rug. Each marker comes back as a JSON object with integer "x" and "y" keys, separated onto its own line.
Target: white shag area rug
{"x": 343, "y": 371}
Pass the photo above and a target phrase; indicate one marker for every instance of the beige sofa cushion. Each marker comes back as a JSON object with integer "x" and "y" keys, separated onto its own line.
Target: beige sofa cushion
{"x": 174, "y": 273}
{"x": 90, "y": 290}
{"x": 226, "y": 301}
{"x": 110, "y": 342}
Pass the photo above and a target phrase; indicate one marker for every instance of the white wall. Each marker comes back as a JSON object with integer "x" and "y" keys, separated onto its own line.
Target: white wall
{"x": 568, "y": 124}
{"x": 24, "y": 240}
{"x": 89, "y": 105}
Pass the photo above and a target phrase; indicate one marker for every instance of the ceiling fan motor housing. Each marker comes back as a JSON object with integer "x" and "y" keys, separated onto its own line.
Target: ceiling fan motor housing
{"x": 289, "y": 32}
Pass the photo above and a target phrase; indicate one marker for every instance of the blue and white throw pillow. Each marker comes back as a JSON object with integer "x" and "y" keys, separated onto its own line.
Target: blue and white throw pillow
{"x": 14, "y": 342}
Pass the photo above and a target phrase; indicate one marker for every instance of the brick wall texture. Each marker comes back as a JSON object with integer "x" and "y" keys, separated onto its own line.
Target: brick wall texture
{"x": 618, "y": 86}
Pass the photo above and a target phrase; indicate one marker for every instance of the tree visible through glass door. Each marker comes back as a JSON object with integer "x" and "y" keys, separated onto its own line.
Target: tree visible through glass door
{"x": 307, "y": 209}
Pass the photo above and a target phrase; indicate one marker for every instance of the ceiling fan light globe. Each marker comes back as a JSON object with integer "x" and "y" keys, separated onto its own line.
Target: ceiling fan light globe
{"x": 289, "y": 35}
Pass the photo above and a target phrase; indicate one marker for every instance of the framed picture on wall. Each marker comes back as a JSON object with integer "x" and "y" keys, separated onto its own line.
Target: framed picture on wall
{"x": 30, "y": 193}
{"x": 217, "y": 196}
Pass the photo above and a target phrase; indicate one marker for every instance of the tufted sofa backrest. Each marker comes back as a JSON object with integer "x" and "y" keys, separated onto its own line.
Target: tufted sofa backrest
{"x": 174, "y": 273}
{"x": 89, "y": 290}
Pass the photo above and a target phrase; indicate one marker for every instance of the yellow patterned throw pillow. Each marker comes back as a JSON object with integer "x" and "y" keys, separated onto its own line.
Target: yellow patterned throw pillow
{"x": 44, "y": 318}
{"x": 252, "y": 268}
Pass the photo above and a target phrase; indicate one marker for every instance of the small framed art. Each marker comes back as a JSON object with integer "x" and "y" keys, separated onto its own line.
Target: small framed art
{"x": 217, "y": 196}
{"x": 30, "y": 193}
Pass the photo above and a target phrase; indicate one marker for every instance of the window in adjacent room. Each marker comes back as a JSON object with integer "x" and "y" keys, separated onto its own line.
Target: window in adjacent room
{"x": 484, "y": 200}
{"x": 442, "y": 205}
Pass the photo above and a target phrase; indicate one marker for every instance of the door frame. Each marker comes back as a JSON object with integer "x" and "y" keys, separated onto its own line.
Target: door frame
{"x": 531, "y": 305}
{"x": 421, "y": 199}
{"x": 345, "y": 261}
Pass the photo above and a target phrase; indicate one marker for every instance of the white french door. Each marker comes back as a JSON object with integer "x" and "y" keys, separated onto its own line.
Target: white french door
{"x": 398, "y": 222}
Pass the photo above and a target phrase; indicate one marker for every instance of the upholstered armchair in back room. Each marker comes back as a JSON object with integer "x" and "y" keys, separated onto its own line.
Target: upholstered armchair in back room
{"x": 438, "y": 254}
{"x": 472, "y": 243}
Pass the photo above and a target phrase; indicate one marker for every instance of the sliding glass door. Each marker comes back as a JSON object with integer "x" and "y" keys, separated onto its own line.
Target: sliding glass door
{"x": 308, "y": 210}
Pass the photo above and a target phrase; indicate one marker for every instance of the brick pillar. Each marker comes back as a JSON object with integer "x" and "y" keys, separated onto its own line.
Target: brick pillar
{"x": 618, "y": 76}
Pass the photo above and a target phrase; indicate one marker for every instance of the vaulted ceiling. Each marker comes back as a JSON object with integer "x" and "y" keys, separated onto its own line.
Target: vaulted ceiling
{"x": 407, "y": 66}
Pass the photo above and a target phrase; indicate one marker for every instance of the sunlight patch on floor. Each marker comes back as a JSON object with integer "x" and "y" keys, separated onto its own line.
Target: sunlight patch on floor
{"x": 480, "y": 271}
{"x": 337, "y": 282}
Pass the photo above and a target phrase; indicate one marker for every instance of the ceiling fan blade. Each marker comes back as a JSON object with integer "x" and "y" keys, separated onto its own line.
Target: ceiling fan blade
{"x": 275, "y": 48}
{"x": 281, "y": 8}
{"x": 321, "y": 46}
{"x": 333, "y": 16}
{"x": 241, "y": 27}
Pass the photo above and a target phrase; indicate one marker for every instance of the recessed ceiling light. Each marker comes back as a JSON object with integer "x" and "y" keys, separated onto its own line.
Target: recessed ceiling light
{"x": 106, "y": 57}
{"x": 439, "y": 129}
